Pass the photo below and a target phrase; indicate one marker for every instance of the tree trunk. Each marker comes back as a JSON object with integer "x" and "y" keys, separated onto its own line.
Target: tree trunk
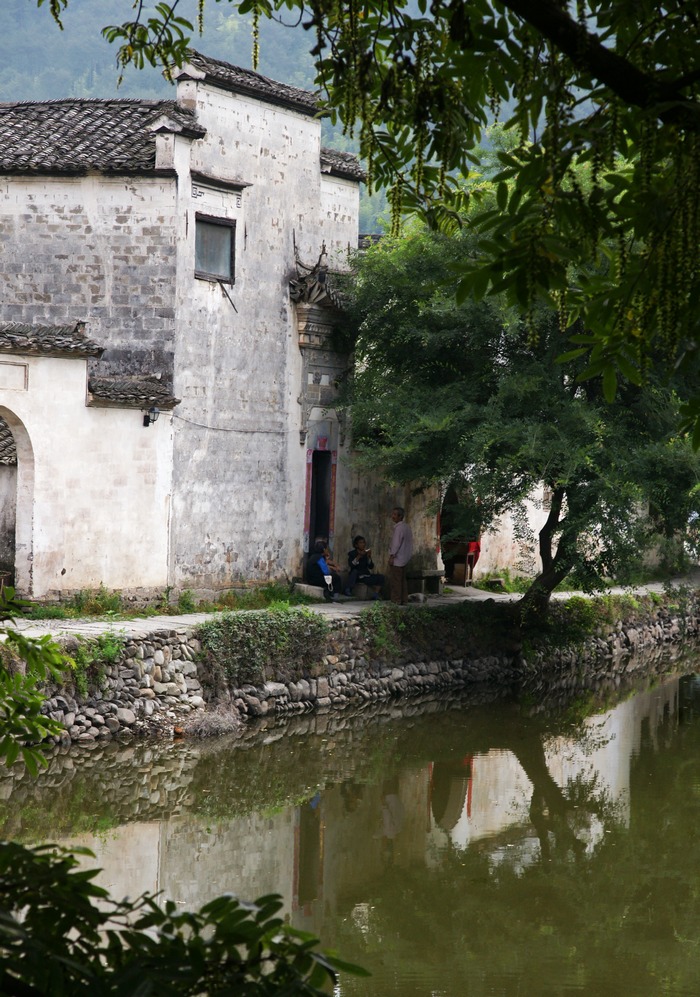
{"x": 555, "y": 567}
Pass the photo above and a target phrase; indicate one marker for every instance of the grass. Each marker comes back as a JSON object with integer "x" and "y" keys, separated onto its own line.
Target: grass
{"x": 103, "y": 603}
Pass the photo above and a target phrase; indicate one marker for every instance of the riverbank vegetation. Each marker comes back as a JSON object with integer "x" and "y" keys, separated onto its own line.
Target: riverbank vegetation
{"x": 113, "y": 605}
{"x": 285, "y": 645}
{"x": 281, "y": 644}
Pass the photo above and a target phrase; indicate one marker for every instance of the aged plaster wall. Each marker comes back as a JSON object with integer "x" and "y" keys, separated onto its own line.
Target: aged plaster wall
{"x": 511, "y": 543}
{"x": 339, "y": 217}
{"x": 240, "y": 515}
{"x": 501, "y": 547}
{"x": 94, "y": 249}
{"x": 372, "y": 508}
{"x": 93, "y": 486}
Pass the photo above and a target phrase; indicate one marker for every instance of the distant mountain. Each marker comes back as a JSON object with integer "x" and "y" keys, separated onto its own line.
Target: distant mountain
{"x": 38, "y": 61}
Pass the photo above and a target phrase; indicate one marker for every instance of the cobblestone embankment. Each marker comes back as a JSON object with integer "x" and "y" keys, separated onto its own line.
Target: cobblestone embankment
{"x": 160, "y": 685}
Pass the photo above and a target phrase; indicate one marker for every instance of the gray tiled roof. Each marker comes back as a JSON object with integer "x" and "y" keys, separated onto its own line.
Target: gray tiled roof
{"x": 132, "y": 392}
{"x": 341, "y": 164}
{"x": 245, "y": 81}
{"x": 47, "y": 340}
{"x": 74, "y": 136}
{"x": 8, "y": 450}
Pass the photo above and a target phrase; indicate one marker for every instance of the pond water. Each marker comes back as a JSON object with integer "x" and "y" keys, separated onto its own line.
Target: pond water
{"x": 451, "y": 849}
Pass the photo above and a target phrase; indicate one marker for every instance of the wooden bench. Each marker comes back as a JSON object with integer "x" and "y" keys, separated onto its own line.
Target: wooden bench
{"x": 428, "y": 582}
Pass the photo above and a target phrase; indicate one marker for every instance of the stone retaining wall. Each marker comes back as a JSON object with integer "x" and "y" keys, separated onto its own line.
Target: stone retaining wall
{"x": 150, "y": 689}
{"x": 159, "y": 685}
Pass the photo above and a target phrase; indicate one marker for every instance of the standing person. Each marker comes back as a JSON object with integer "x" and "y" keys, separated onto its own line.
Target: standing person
{"x": 361, "y": 568}
{"x": 400, "y": 553}
{"x": 473, "y": 552}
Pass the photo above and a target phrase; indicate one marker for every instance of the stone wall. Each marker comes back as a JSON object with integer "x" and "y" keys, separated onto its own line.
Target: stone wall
{"x": 150, "y": 689}
{"x": 160, "y": 685}
{"x": 95, "y": 250}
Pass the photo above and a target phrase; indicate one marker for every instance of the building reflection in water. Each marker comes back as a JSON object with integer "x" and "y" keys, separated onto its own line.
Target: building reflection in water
{"x": 515, "y": 802}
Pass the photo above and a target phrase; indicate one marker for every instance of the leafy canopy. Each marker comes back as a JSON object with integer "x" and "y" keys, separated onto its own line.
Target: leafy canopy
{"x": 468, "y": 393}
{"x": 595, "y": 82}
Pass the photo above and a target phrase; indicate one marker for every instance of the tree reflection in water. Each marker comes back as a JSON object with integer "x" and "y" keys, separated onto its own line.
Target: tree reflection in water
{"x": 475, "y": 849}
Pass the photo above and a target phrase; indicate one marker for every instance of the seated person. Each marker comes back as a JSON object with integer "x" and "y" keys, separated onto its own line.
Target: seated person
{"x": 361, "y": 568}
{"x": 320, "y": 565}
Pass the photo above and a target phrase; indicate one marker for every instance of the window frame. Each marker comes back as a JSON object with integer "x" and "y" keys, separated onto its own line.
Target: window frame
{"x": 229, "y": 223}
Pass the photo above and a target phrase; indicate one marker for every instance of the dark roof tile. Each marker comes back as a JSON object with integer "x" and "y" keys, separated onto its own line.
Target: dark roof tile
{"x": 139, "y": 391}
{"x": 341, "y": 164}
{"x": 245, "y": 81}
{"x": 76, "y": 136}
{"x": 47, "y": 340}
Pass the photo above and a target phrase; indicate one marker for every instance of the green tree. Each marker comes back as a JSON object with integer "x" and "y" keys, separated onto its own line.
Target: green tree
{"x": 593, "y": 82}
{"x": 468, "y": 394}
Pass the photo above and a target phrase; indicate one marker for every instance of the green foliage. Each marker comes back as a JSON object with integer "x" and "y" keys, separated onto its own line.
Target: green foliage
{"x": 89, "y": 602}
{"x": 186, "y": 602}
{"x": 465, "y": 393}
{"x": 466, "y": 628}
{"x": 574, "y": 620}
{"x": 252, "y": 647}
{"x": 60, "y": 934}
{"x": 25, "y": 663}
{"x": 90, "y": 657}
{"x": 510, "y": 582}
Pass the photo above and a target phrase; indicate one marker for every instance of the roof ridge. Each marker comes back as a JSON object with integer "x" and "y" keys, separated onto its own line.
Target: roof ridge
{"x": 52, "y": 101}
{"x": 238, "y": 79}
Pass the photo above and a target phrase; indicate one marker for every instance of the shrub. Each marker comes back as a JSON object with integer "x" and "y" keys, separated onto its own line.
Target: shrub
{"x": 469, "y": 627}
{"x": 185, "y": 602}
{"x": 250, "y": 647}
{"x": 61, "y": 934}
{"x": 91, "y": 603}
{"x": 89, "y": 658}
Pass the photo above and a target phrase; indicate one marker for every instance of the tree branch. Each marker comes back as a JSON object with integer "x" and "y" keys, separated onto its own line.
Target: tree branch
{"x": 586, "y": 51}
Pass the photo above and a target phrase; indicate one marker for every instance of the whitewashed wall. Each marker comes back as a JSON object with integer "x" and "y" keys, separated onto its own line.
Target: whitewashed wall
{"x": 93, "y": 485}
{"x": 502, "y": 547}
{"x": 118, "y": 253}
{"x": 240, "y": 482}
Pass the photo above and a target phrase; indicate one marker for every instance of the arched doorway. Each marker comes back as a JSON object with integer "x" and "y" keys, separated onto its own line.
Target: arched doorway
{"x": 16, "y": 503}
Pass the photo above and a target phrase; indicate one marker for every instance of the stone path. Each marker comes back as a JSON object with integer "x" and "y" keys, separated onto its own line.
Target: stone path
{"x": 348, "y": 608}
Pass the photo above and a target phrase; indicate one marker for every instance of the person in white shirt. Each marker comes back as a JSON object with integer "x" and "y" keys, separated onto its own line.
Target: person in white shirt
{"x": 400, "y": 553}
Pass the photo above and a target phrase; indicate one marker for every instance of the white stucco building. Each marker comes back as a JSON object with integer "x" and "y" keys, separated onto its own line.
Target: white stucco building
{"x": 175, "y": 256}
